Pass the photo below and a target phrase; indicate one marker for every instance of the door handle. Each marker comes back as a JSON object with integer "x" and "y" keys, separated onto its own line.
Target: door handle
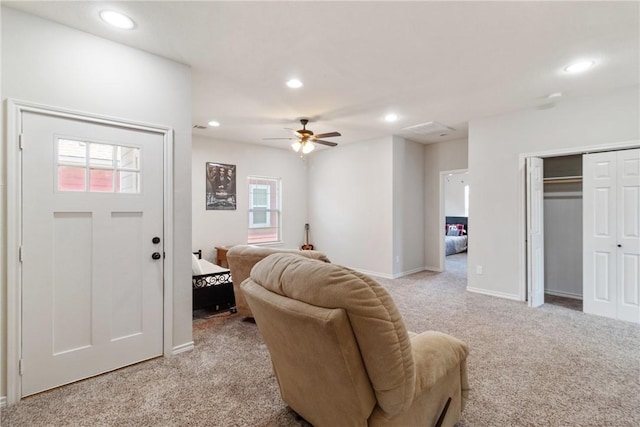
{"x": 156, "y": 255}
{"x": 619, "y": 245}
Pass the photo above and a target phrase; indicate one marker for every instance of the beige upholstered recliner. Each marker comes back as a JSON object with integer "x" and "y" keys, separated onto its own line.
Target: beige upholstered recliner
{"x": 341, "y": 352}
{"x": 242, "y": 258}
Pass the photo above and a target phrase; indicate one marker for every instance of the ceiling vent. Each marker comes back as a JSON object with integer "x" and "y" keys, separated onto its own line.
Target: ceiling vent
{"x": 199, "y": 127}
{"x": 429, "y": 128}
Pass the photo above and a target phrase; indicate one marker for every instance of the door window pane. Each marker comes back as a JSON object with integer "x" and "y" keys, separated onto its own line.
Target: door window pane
{"x": 101, "y": 180}
{"x": 72, "y": 152}
{"x": 128, "y": 158}
{"x": 128, "y": 182}
{"x": 101, "y": 155}
{"x": 71, "y": 178}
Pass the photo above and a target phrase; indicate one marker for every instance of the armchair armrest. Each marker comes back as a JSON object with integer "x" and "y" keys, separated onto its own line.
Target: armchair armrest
{"x": 434, "y": 355}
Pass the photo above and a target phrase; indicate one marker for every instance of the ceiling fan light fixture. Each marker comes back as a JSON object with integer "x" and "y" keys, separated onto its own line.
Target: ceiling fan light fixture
{"x": 308, "y": 147}
{"x": 214, "y": 123}
{"x": 296, "y": 146}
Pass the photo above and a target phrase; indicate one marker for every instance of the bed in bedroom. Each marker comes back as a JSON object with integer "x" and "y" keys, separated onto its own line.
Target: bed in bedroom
{"x": 456, "y": 235}
{"x": 212, "y": 285}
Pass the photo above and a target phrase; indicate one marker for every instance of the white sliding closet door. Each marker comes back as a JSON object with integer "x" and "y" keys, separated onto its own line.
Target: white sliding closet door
{"x": 611, "y": 215}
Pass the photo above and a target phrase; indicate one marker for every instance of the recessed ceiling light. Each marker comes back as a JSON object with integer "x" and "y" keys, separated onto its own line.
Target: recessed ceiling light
{"x": 117, "y": 19}
{"x": 579, "y": 67}
{"x": 214, "y": 124}
{"x": 554, "y": 95}
{"x": 294, "y": 83}
{"x": 391, "y": 117}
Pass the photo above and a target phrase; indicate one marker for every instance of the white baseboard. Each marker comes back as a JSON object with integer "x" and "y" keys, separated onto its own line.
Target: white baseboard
{"x": 563, "y": 294}
{"x": 3, "y": 401}
{"x": 431, "y": 268}
{"x": 494, "y": 293}
{"x": 373, "y": 273}
{"x": 390, "y": 276}
{"x": 408, "y": 272}
{"x": 182, "y": 348}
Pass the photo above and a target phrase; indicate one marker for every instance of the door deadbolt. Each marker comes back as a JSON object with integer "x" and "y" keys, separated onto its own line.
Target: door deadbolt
{"x": 156, "y": 240}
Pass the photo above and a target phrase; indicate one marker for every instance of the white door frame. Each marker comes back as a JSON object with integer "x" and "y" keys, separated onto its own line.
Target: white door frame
{"x": 15, "y": 109}
{"x": 443, "y": 175}
{"x": 522, "y": 197}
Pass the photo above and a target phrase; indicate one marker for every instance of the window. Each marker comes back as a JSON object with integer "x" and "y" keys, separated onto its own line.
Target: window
{"x": 264, "y": 210}
{"x": 97, "y": 168}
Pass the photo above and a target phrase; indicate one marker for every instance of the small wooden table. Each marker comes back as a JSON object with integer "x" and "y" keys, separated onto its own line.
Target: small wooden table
{"x": 221, "y": 255}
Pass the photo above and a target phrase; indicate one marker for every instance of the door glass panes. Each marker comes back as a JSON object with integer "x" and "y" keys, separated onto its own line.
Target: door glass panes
{"x": 101, "y": 181}
{"x": 128, "y": 158}
{"x": 97, "y": 168}
{"x": 72, "y": 152}
{"x": 101, "y": 155}
{"x": 71, "y": 179}
{"x": 128, "y": 182}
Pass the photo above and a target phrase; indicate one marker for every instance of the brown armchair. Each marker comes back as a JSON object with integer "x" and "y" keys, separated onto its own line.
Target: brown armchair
{"x": 242, "y": 258}
{"x": 341, "y": 352}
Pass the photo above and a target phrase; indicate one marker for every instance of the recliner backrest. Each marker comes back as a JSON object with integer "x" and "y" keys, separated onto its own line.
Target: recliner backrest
{"x": 378, "y": 328}
{"x": 242, "y": 258}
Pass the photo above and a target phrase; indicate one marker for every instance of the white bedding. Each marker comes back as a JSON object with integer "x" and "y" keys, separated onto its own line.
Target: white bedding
{"x": 202, "y": 266}
{"x": 455, "y": 244}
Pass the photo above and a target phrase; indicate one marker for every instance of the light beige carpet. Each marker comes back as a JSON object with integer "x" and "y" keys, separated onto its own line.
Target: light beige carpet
{"x": 550, "y": 366}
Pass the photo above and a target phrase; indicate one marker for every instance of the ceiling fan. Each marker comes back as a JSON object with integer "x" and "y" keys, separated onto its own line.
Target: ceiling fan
{"x": 305, "y": 138}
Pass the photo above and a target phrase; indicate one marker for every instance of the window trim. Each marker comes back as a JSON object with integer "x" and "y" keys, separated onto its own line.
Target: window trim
{"x": 273, "y": 208}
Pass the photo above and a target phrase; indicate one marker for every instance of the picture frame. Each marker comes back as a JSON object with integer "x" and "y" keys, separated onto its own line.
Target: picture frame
{"x": 220, "y": 186}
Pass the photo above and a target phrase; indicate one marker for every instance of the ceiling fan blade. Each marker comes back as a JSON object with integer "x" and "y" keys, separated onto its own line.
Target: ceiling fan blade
{"x": 329, "y": 143}
{"x": 328, "y": 135}
{"x": 278, "y": 138}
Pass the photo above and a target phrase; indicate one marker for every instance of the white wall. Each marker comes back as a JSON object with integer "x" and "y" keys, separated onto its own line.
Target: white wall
{"x": 215, "y": 228}
{"x": 50, "y": 64}
{"x": 495, "y": 144}
{"x": 443, "y": 156}
{"x": 454, "y": 201}
{"x": 350, "y": 205}
{"x": 408, "y": 207}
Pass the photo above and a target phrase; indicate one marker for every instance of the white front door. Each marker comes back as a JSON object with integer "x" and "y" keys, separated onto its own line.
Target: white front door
{"x": 611, "y": 243}
{"x": 535, "y": 231}
{"x": 92, "y": 204}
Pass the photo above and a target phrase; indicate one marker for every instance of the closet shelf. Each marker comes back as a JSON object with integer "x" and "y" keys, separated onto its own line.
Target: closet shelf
{"x": 563, "y": 180}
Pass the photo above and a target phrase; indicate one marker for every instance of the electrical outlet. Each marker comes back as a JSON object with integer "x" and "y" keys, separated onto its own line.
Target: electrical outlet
{"x": 478, "y": 269}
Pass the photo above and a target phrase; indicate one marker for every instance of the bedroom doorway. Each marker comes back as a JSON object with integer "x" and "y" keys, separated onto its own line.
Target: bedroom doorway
{"x": 90, "y": 273}
{"x": 454, "y": 220}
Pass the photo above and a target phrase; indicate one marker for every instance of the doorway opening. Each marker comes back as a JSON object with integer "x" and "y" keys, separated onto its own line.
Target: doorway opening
{"x": 454, "y": 220}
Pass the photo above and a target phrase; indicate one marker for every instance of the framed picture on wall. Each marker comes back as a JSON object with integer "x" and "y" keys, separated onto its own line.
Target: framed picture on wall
{"x": 221, "y": 187}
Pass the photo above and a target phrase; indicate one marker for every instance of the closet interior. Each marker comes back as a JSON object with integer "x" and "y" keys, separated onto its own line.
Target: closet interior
{"x": 563, "y": 230}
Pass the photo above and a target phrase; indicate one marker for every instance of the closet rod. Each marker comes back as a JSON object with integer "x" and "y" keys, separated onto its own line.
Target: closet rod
{"x": 563, "y": 180}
